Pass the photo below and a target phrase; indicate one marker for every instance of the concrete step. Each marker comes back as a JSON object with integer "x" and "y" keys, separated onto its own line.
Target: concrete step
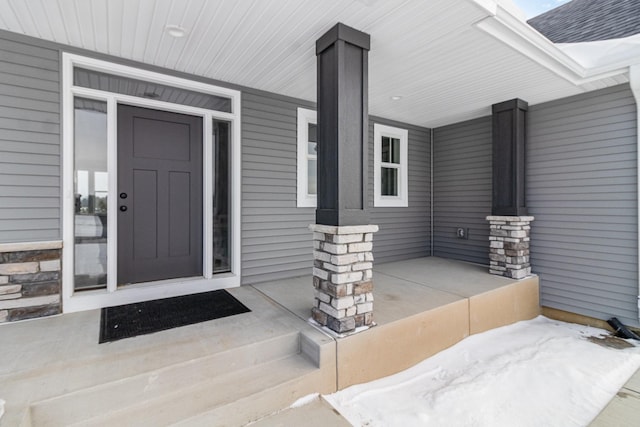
{"x": 79, "y": 374}
{"x": 317, "y": 413}
{"x": 231, "y": 399}
{"x": 277, "y": 387}
{"x": 201, "y": 379}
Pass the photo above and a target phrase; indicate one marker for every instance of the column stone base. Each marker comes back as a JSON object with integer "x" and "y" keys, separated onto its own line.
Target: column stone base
{"x": 509, "y": 246}
{"x": 343, "y": 276}
{"x": 30, "y": 280}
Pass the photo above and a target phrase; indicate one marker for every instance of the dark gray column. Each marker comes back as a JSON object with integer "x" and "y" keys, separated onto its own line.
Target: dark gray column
{"x": 342, "y": 126}
{"x": 509, "y": 136}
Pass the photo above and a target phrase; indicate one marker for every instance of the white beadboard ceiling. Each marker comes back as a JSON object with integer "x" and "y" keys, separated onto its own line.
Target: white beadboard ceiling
{"x": 428, "y": 51}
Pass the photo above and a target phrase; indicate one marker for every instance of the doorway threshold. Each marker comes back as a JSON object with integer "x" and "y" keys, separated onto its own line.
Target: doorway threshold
{"x": 147, "y": 291}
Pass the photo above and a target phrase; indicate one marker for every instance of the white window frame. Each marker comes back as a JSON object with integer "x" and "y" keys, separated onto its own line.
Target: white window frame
{"x": 402, "y": 199}
{"x": 112, "y": 295}
{"x": 305, "y": 117}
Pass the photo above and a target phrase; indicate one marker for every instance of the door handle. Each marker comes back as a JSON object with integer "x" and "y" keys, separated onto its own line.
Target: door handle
{"x": 123, "y": 195}
{"x": 123, "y": 208}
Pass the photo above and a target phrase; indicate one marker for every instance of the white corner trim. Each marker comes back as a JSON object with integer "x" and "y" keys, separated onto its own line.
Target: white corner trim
{"x": 402, "y": 199}
{"x": 304, "y": 200}
{"x": 67, "y": 172}
{"x": 634, "y": 80}
{"x": 236, "y": 190}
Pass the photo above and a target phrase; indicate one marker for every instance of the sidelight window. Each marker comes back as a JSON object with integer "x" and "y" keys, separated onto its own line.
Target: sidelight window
{"x": 90, "y": 193}
{"x": 221, "y": 196}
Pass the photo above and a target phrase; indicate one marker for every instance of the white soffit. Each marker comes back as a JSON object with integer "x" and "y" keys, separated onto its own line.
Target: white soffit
{"x": 433, "y": 53}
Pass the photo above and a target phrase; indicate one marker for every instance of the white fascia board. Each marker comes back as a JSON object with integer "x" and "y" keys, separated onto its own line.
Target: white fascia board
{"x": 509, "y": 29}
{"x": 533, "y": 45}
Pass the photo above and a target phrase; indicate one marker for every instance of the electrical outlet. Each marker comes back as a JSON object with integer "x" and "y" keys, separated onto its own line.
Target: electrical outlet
{"x": 462, "y": 233}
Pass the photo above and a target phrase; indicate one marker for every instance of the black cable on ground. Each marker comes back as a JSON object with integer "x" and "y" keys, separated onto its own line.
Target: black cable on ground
{"x": 621, "y": 330}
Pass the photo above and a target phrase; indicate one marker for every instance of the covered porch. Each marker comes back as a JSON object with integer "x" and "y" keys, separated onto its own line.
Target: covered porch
{"x": 234, "y": 370}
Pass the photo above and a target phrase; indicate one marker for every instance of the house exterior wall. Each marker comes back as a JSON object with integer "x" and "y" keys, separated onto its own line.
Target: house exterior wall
{"x": 581, "y": 189}
{"x": 462, "y": 189}
{"x": 404, "y": 232}
{"x": 29, "y": 142}
{"x": 276, "y": 242}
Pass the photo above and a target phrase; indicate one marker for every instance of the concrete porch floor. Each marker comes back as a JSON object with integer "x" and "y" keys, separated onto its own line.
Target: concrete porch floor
{"x": 238, "y": 369}
{"x": 421, "y": 307}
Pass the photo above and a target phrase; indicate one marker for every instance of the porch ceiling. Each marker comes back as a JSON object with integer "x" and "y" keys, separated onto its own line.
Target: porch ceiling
{"x": 432, "y": 53}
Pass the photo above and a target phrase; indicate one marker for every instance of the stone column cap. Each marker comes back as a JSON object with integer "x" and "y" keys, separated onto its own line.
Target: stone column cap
{"x": 510, "y": 218}
{"x": 30, "y": 246}
{"x": 343, "y": 229}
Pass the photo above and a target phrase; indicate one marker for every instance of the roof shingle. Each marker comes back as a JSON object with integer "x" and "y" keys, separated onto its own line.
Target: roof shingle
{"x": 589, "y": 20}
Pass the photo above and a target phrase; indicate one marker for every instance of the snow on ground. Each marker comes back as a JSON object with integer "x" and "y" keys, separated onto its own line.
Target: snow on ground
{"x": 539, "y": 372}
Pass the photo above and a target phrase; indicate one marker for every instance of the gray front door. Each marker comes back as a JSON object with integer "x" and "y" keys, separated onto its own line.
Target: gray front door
{"x": 159, "y": 195}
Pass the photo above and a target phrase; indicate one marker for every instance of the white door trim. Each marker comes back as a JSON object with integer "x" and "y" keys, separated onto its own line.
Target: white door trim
{"x": 112, "y": 295}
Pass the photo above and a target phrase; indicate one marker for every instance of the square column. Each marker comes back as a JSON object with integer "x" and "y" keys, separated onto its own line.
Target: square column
{"x": 343, "y": 242}
{"x": 508, "y": 158}
{"x": 343, "y": 276}
{"x": 509, "y": 246}
{"x": 343, "y": 126}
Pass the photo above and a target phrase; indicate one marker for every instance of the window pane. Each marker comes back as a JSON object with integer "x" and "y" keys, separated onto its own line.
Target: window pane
{"x": 312, "y": 148}
{"x": 313, "y": 132}
{"x": 390, "y": 150}
{"x": 312, "y": 176}
{"x": 127, "y": 86}
{"x": 221, "y": 197}
{"x": 395, "y": 151}
{"x": 386, "y": 149}
{"x": 389, "y": 182}
{"x": 91, "y": 193}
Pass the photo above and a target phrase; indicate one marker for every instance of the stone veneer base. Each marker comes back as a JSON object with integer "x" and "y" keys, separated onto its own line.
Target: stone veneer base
{"x": 509, "y": 246}
{"x": 343, "y": 276}
{"x": 30, "y": 280}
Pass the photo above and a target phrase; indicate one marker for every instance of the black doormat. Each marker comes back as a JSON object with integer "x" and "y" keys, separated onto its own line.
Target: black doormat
{"x": 142, "y": 318}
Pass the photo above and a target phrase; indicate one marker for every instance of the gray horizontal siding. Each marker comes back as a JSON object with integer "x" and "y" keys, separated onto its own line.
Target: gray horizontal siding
{"x": 276, "y": 242}
{"x": 29, "y": 142}
{"x": 582, "y": 190}
{"x": 462, "y": 189}
{"x": 404, "y": 232}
